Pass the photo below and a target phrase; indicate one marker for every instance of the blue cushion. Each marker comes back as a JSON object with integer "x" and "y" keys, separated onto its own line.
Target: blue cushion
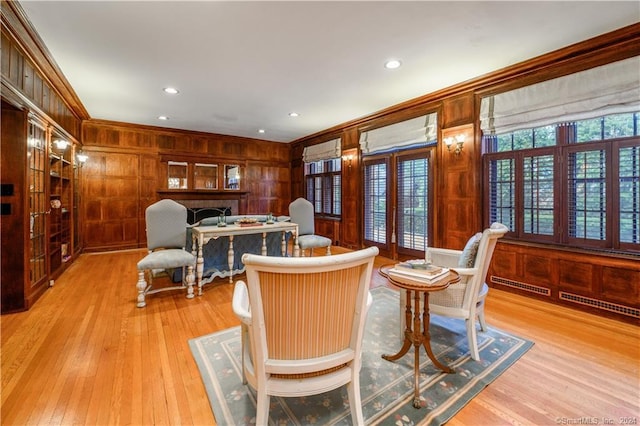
{"x": 166, "y": 259}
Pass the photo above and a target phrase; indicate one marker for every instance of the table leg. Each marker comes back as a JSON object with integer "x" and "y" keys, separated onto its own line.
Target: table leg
{"x": 296, "y": 247}
{"x": 230, "y": 257}
{"x": 408, "y": 333}
{"x": 263, "y": 251}
{"x": 199, "y": 267}
{"x": 426, "y": 340}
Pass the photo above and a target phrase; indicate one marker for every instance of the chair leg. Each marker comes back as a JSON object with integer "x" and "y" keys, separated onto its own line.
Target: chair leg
{"x": 355, "y": 403}
{"x": 262, "y": 407}
{"x": 244, "y": 343}
{"x": 481, "y": 317}
{"x": 141, "y": 285}
{"x": 473, "y": 340}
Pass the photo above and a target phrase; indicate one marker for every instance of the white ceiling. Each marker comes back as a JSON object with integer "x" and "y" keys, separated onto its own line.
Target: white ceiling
{"x": 243, "y": 66}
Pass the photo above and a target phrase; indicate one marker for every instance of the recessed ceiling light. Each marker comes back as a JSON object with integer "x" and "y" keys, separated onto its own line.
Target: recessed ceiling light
{"x": 260, "y": 130}
{"x": 163, "y": 117}
{"x": 171, "y": 90}
{"x": 392, "y": 64}
{"x": 293, "y": 114}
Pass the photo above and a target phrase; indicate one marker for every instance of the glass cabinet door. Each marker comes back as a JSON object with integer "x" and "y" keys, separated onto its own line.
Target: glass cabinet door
{"x": 177, "y": 175}
{"x": 38, "y": 202}
{"x": 206, "y": 176}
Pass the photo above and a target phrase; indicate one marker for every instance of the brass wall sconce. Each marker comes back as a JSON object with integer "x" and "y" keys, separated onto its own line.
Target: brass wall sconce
{"x": 348, "y": 159}
{"x": 61, "y": 144}
{"x": 82, "y": 158}
{"x": 455, "y": 142}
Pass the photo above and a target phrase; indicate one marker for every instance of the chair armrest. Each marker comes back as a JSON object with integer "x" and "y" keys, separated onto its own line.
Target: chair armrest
{"x": 240, "y": 302}
{"x": 464, "y": 272}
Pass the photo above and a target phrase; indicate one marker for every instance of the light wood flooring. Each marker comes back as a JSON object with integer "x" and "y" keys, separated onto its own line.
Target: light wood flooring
{"x": 84, "y": 354}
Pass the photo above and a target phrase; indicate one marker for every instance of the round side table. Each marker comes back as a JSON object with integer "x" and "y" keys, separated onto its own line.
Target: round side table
{"x": 417, "y": 319}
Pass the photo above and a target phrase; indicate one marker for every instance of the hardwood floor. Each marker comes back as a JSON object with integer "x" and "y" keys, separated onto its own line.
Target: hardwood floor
{"x": 84, "y": 354}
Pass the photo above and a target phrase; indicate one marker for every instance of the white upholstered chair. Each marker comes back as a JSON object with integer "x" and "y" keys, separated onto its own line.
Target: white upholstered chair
{"x": 302, "y": 325}
{"x": 464, "y": 300}
{"x": 301, "y": 212}
{"x": 166, "y": 222}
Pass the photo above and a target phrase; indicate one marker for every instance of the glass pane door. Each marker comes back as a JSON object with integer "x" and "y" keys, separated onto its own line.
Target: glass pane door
{"x": 377, "y": 208}
{"x": 38, "y": 203}
{"x": 413, "y": 204}
{"x": 397, "y": 203}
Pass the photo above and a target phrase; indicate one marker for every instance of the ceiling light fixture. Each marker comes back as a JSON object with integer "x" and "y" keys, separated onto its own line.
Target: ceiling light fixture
{"x": 171, "y": 90}
{"x": 293, "y": 114}
{"x": 392, "y": 64}
{"x": 163, "y": 117}
{"x": 260, "y": 130}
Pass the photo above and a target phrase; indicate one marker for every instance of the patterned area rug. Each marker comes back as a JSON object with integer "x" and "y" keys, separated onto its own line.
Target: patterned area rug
{"x": 386, "y": 387}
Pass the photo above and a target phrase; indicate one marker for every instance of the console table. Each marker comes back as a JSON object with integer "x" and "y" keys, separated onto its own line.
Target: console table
{"x": 200, "y": 235}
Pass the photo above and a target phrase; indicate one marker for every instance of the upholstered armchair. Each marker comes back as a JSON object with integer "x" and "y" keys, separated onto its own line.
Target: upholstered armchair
{"x": 166, "y": 222}
{"x": 302, "y": 322}
{"x": 464, "y": 300}
{"x": 301, "y": 212}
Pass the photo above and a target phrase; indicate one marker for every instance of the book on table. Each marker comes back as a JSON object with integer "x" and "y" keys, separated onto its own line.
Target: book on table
{"x": 423, "y": 272}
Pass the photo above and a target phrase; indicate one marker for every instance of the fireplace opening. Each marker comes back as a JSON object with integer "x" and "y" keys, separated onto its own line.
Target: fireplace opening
{"x": 196, "y": 214}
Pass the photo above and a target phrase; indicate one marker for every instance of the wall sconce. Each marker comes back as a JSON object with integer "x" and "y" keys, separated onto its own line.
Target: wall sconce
{"x": 61, "y": 144}
{"x": 82, "y": 158}
{"x": 455, "y": 142}
{"x": 348, "y": 159}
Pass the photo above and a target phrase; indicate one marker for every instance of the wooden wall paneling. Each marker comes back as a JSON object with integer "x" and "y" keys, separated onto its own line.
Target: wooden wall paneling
{"x": 14, "y": 235}
{"x": 148, "y": 186}
{"x": 576, "y": 276}
{"x": 621, "y": 285}
{"x": 350, "y": 226}
{"x": 458, "y": 110}
{"x": 458, "y": 191}
{"x": 111, "y": 188}
{"x": 594, "y": 282}
{"x": 540, "y": 270}
{"x": 266, "y": 172}
{"x": 328, "y": 228}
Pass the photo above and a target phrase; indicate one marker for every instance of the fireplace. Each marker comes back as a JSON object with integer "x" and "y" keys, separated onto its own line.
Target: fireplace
{"x": 196, "y": 214}
{"x": 203, "y": 204}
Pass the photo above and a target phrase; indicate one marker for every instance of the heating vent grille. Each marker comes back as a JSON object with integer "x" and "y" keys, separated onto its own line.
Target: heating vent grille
{"x": 607, "y": 306}
{"x": 522, "y": 286}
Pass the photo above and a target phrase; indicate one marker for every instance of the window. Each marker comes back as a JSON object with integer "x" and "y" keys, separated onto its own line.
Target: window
{"x": 324, "y": 186}
{"x": 575, "y": 183}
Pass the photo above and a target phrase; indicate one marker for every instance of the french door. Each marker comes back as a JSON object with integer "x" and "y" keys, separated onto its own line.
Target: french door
{"x": 398, "y": 202}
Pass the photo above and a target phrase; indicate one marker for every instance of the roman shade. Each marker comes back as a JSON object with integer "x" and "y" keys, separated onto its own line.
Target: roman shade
{"x": 608, "y": 89}
{"x": 421, "y": 129}
{"x": 322, "y": 151}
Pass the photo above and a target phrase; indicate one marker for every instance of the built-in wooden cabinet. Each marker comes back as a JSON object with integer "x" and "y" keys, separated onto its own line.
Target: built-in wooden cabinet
{"x": 39, "y": 206}
{"x": 60, "y": 201}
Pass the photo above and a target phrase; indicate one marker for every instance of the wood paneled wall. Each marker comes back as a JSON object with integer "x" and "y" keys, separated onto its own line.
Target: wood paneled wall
{"x": 125, "y": 171}
{"x": 24, "y": 82}
{"x": 591, "y": 281}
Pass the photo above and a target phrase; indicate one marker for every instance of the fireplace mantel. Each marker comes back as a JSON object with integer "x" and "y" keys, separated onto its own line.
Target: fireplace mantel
{"x": 206, "y": 196}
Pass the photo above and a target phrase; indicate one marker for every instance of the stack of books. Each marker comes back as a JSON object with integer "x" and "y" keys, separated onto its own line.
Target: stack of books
{"x": 421, "y": 271}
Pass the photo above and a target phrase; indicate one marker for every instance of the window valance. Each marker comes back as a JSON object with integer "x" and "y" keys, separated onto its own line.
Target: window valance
{"x": 409, "y": 132}
{"x": 609, "y": 89}
{"x": 322, "y": 151}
